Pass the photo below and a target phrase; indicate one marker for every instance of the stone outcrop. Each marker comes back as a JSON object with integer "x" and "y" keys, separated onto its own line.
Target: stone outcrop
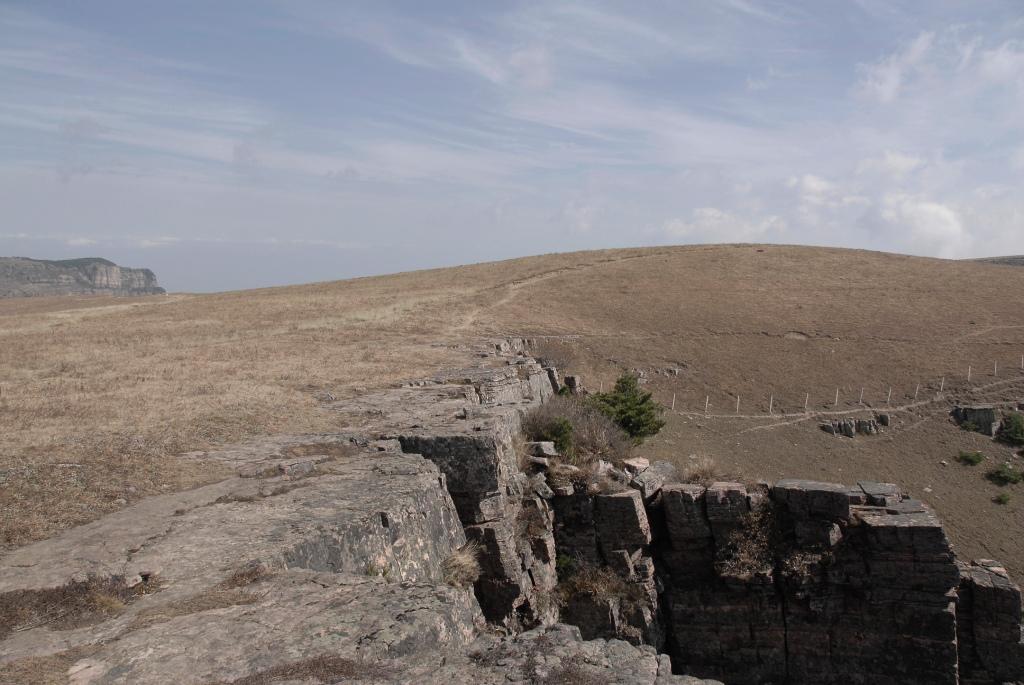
{"x": 983, "y": 417}
{"x": 22, "y": 277}
{"x": 329, "y": 557}
{"x": 852, "y": 427}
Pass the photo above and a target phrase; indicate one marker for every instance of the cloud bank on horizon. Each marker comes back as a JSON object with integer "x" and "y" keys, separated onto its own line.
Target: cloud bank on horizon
{"x": 260, "y": 142}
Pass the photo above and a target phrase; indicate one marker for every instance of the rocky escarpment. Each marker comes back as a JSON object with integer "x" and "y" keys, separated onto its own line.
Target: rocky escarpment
{"x": 328, "y": 557}
{"x": 22, "y": 277}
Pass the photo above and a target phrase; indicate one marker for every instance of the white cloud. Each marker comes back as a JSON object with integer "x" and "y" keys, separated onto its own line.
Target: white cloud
{"x": 710, "y": 224}
{"x": 80, "y": 242}
{"x": 159, "y": 241}
{"x": 1003, "y": 64}
{"x": 891, "y": 164}
{"x": 934, "y": 228}
{"x": 579, "y": 216}
{"x": 884, "y": 79}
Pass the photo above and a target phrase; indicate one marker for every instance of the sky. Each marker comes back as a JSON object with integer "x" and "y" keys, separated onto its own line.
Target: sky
{"x": 248, "y": 143}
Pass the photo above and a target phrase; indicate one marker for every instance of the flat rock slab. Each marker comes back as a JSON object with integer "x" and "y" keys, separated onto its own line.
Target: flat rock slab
{"x": 364, "y": 514}
{"x": 809, "y": 498}
{"x": 557, "y": 654}
{"x": 621, "y": 520}
{"x": 382, "y": 629}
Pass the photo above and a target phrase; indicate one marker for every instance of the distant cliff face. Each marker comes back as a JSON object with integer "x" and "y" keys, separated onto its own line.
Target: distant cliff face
{"x": 23, "y": 277}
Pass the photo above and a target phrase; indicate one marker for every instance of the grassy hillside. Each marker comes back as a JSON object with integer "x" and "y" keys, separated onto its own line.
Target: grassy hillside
{"x": 99, "y": 394}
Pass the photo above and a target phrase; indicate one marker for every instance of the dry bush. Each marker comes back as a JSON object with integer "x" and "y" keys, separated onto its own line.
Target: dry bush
{"x": 325, "y": 668}
{"x": 562, "y": 475}
{"x": 51, "y": 669}
{"x": 246, "y": 576}
{"x": 700, "y": 471}
{"x": 597, "y": 582}
{"x": 462, "y": 567}
{"x": 553, "y": 352}
{"x": 531, "y": 523}
{"x": 75, "y": 604}
{"x": 229, "y": 592}
{"x": 605, "y": 484}
{"x": 749, "y": 549}
{"x": 593, "y": 435}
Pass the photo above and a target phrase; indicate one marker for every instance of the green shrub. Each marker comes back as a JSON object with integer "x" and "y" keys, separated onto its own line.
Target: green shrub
{"x": 969, "y": 426}
{"x": 971, "y": 458}
{"x": 634, "y": 410}
{"x": 1002, "y": 498}
{"x": 581, "y": 433}
{"x": 1005, "y": 475}
{"x": 1012, "y": 431}
{"x": 559, "y": 431}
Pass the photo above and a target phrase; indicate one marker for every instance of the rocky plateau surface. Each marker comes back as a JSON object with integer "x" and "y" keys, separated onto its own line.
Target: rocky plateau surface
{"x": 329, "y": 558}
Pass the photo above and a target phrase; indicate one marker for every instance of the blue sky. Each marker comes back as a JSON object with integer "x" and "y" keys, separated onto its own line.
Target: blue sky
{"x": 241, "y": 144}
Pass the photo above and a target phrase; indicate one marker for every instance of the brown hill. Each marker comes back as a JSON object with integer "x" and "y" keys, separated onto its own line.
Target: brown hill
{"x": 101, "y": 393}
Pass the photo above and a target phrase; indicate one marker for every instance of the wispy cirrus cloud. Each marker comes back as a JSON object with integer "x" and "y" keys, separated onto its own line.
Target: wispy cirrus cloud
{"x": 491, "y": 130}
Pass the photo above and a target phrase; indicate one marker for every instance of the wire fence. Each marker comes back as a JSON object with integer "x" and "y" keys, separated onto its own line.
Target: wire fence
{"x": 870, "y": 397}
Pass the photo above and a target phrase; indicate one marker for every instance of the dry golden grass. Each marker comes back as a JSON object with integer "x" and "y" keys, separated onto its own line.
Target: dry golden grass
{"x": 98, "y": 395}
{"x": 325, "y": 668}
{"x": 78, "y": 603}
{"x": 44, "y": 670}
{"x": 699, "y": 471}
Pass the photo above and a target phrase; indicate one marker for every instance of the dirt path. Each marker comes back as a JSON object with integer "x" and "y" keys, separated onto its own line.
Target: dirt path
{"x": 512, "y": 288}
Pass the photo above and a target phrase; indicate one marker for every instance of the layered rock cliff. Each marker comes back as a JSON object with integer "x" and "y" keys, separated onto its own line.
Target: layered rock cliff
{"x": 23, "y": 277}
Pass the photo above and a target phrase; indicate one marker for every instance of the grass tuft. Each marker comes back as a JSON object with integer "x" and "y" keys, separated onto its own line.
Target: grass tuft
{"x": 1005, "y": 475}
{"x": 970, "y": 458}
{"x": 462, "y": 567}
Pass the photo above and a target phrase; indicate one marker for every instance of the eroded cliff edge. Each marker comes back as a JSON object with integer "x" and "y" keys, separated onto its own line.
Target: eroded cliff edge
{"x": 23, "y": 277}
{"x": 325, "y": 560}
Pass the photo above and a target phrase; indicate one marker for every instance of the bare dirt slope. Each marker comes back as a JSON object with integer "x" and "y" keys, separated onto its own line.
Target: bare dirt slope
{"x": 98, "y": 394}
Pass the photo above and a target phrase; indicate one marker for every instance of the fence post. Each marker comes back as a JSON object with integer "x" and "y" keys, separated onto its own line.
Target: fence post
{"x": 917, "y": 390}
{"x": 968, "y": 374}
{"x": 995, "y": 369}
{"x": 942, "y": 384}
{"x": 737, "y": 404}
{"x": 888, "y": 399}
{"x": 707, "y": 401}
{"x": 837, "y": 397}
{"x": 673, "y": 401}
{"x": 807, "y": 397}
{"x": 771, "y": 403}
{"x": 861, "y": 400}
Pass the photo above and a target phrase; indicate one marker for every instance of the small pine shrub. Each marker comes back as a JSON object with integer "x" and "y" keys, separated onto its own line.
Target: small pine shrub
{"x": 970, "y": 458}
{"x": 1005, "y": 475}
{"x": 1012, "y": 431}
{"x": 1002, "y": 498}
{"x": 559, "y": 431}
{"x": 634, "y": 410}
{"x": 969, "y": 426}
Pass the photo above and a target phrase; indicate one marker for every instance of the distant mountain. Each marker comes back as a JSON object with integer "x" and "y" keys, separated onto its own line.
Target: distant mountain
{"x": 1008, "y": 261}
{"x": 24, "y": 277}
